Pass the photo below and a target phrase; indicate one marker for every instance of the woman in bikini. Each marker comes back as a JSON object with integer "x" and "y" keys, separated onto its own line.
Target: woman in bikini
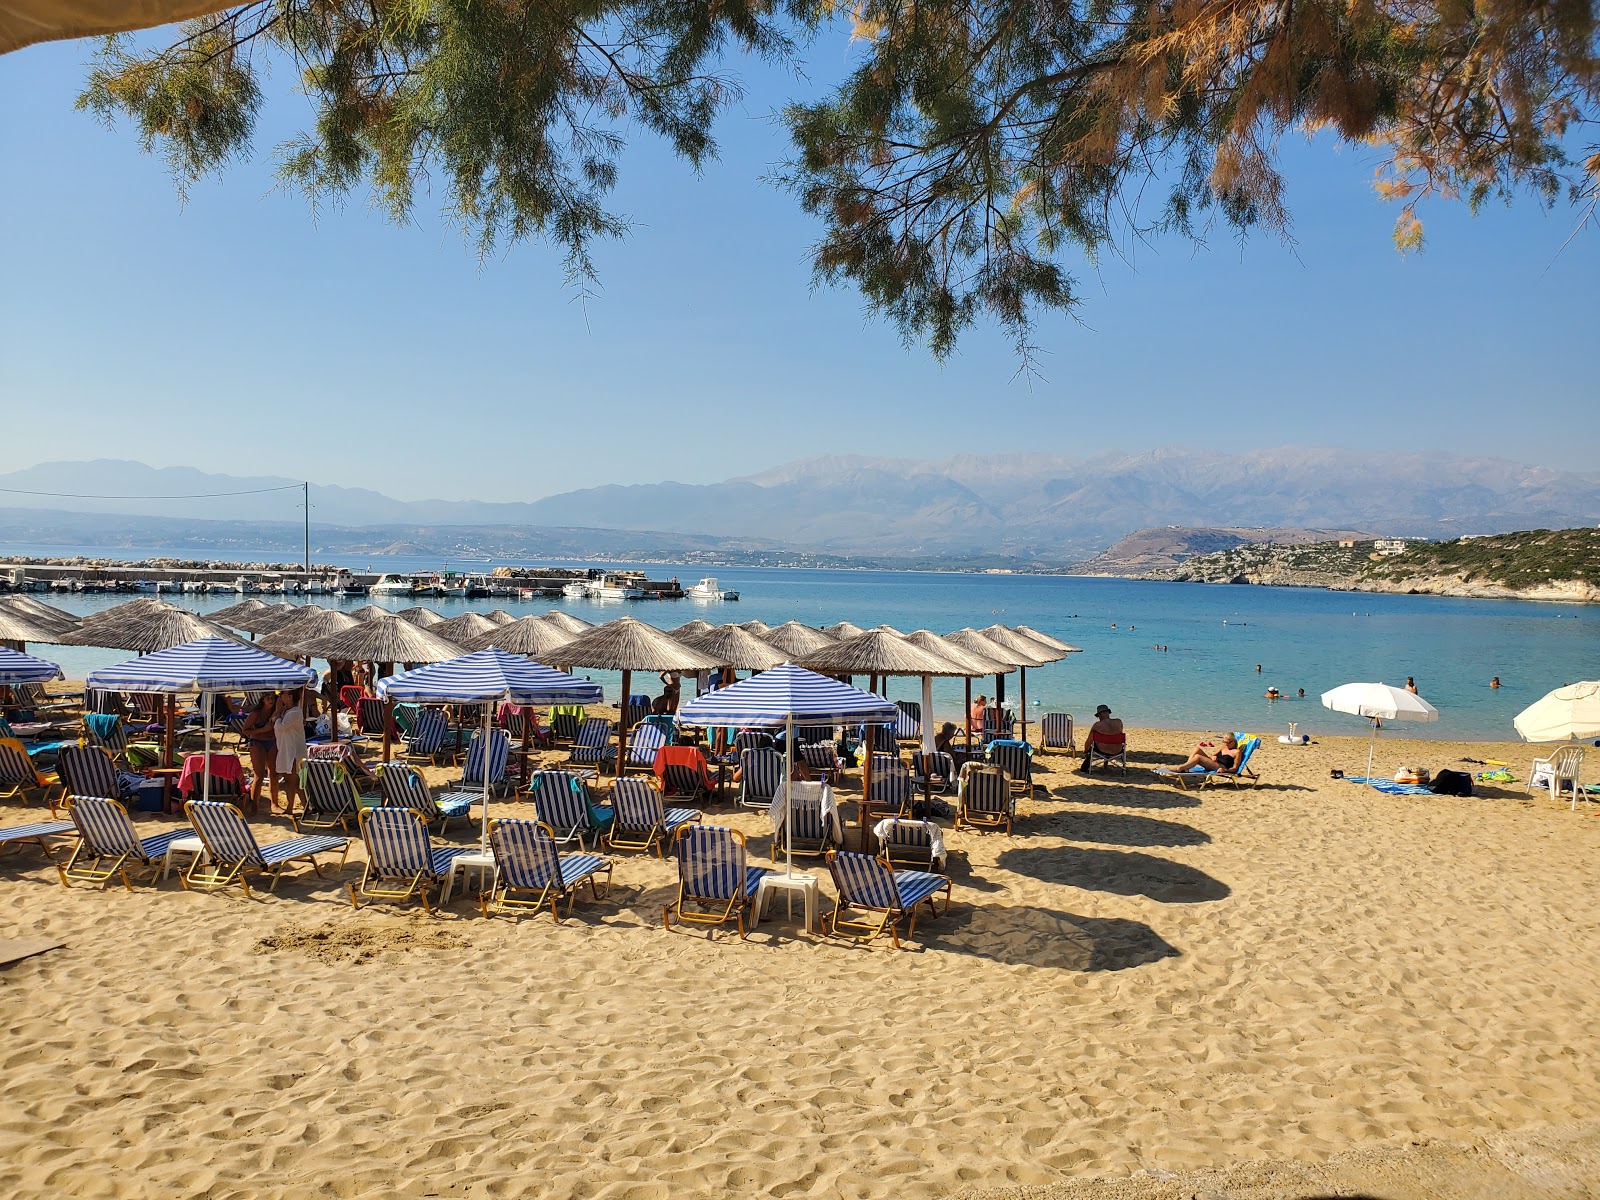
{"x": 258, "y": 736}
{"x": 1224, "y": 759}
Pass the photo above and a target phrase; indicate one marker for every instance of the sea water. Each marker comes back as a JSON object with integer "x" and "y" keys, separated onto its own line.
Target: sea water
{"x": 1165, "y": 655}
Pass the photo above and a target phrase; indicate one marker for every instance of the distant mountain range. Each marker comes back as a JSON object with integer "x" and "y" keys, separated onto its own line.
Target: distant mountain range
{"x": 1038, "y": 508}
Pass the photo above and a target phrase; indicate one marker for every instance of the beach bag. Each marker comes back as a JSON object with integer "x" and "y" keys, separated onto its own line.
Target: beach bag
{"x": 1451, "y": 783}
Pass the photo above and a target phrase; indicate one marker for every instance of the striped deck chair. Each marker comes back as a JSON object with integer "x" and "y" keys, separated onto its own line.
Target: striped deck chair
{"x": 812, "y": 734}
{"x": 526, "y": 860}
{"x": 401, "y": 859}
{"x": 563, "y": 802}
{"x": 149, "y": 708}
{"x": 1107, "y": 750}
{"x": 428, "y": 734}
{"x": 89, "y": 771}
{"x": 232, "y": 851}
{"x": 883, "y": 740}
{"x": 752, "y": 739}
{"x": 40, "y": 834}
{"x": 370, "y": 717}
{"x": 1016, "y": 760}
{"x": 405, "y": 718}
{"x": 809, "y": 832}
{"x": 760, "y": 772}
{"x": 350, "y": 696}
{"x": 18, "y": 776}
{"x": 486, "y": 762}
{"x": 996, "y": 724}
{"x": 891, "y": 785}
{"x": 519, "y": 720}
{"x": 591, "y": 745}
{"x": 643, "y": 744}
{"x": 908, "y": 725}
{"x": 638, "y": 709}
{"x": 404, "y": 787}
{"x": 108, "y": 844}
{"x": 682, "y": 771}
{"x": 885, "y": 897}
{"x": 564, "y": 722}
{"x": 902, "y": 840}
{"x": 331, "y": 796}
{"x": 716, "y": 883}
{"x": 822, "y": 759}
{"x": 1055, "y": 732}
{"x": 640, "y": 820}
{"x": 984, "y": 799}
{"x": 107, "y": 732}
{"x": 941, "y": 766}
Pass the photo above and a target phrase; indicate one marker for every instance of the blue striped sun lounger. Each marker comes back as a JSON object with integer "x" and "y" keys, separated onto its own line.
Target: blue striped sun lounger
{"x": 18, "y": 776}
{"x": 404, "y": 787}
{"x": 716, "y": 883}
{"x": 490, "y": 761}
{"x": 760, "y": 772}
{"x": 401, "y": 859}
{"x": 984, "y": 799}
{"x": 527, "y": 864}
{"x": 41, "y": 834}
{"x": 643, "y": 744}
{"x": 591, "y": 745}
{"x": 331, "y": 796}
{"x": 885, "y": 897}
{"x": 108, "y": 845}
{"x": 233, "y": 852}
{"x": 562, "y": 801}
{"x": 640, "y": 820}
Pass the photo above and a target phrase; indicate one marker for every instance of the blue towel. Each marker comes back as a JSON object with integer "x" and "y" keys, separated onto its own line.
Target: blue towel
{"x": 1390, "y": 786}
{"x": 102, "y": 724}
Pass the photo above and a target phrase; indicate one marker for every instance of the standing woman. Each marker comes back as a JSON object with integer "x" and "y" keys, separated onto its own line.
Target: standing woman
{"x": 258, "y": 736}
{"x": 289, "y": 731}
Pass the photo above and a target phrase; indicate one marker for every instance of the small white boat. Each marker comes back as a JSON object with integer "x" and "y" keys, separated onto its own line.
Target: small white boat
{"x": 608, "y": 588}
{"x": 709, "y": 589}
{"x": 578, "y": 589}
{"x": 391, "y": 585}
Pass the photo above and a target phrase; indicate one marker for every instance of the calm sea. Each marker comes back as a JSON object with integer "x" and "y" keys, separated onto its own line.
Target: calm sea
{"x": 1214, "y": 638}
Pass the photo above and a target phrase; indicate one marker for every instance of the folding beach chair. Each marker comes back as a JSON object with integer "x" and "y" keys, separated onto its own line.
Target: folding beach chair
{"x": 760, "y": 772}
{"x": 405, "y": 718}
{"x": 106, "y": 731}
{"x": 876, "y": 889}
{"x": 643, "y": 744}
{"x": 984, "y": 799}
{"x": 1241, "y": 776}
{"x": 682, "y": 771}
{"x": 640, "y": 820}
{"x": 883, "y": 740}
{"x": 902, "y": 840}
{"x": 563, "y": 802}
{"x": 519, "y": 720}
{"x": 802, "y": 823}
{"x": 752, "y": 739}
{"x": 108, "y": 844}
{"x": 40, "y": 834}
{"x": 908, "y": 724}
{"x": 810, "y": 735}
{"x": 490, "y": 762}
{"x": 401, "y": 859}
{"x": 716, "y": 884}
{"x": 591, "y": 745}
{"x": 667, "y": 723}
{"x": 938, "y": 764}
{"x": 331, "y": 796}
{"x": 638, "y": 708}
{"x": 350, "y": 697}
{"x": 1107, "y": 750}
{"x": 821, "y": 759}
{"x": 18, "y": 776}
{"x": 404, "y": 787}
{"x": 564, "y": 722}
{"x": 1055, "y": 732}
{"x": 991, "y": 724}
{"x": 1016, "y": 760}
{"x": 526, "y": 861}
{"x": 89, "y": 771}
{"x": 232, "y": 852}
{"x": 891, "y": 786}
{"x": 426, "y": 742}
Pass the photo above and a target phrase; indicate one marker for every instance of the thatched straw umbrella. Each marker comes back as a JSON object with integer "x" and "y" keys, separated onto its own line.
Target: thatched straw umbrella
{"x": 797, "y": 640}
{"x": 759, "y": 628}
{"x": 627, "y": 645}
{"x": 977, "y": 665}
{"x": 383, "y": 640}
{"x": 499, "y": 616}
{"x": 536, "y": 637}
{"x": 307, "y": 623}
{"x": 1045, "y": 639}
{"x": 19, "y": 627}
{"x": 462, "y": 629}
{"x": 242, "y": 615}
{"x": 689, "y": 628}
{"x": 422, "y": 618}
{"x": 886, "y": 629}
{"x": 1024, "y": 653}
{"x": 843, "y": 630}
{"x": 371, "y": 612}
{"x": 48, "y": 615}
{"x": 879, "y": 652}
{"x": 734, "y": 647}
{"x": 567, "y": 621}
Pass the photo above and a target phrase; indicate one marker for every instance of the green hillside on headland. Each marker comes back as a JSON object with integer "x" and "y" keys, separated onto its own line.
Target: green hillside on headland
{"x": 1514, "y": 560}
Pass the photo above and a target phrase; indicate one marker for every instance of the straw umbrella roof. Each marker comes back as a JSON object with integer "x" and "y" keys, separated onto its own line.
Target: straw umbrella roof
{"x": 244, "y": 609}
{"x": 974, "y": 642}
{"x": 385, "y": 639}
{"x": 567, "y": 621}
{"x": 310, "y": 622}
{"x": 146, "y": 630}
{"x": 17, "y": 626}
{"x": 975, "y": 664}
{"x": 465, "y": 627}
{"x": 371, "y": 612}
{"x": 878, "y": 652}
{"x": 797, "y": 640}
{"x": 629, "y": 645}
{"x": 534, "y": 636}
{"x": 123, "y": 612}
{"x": 499, "y": 616}
{"x": 886, "y": 629}
{"x": 759, "y": 628}
{"x": 44, "y": 614}
{"x": 1018, "y": 646}
{"x": 1045, "y": 639}
{"x": 422, "y": 618}
{"x": 733, "y": 646}
{"x": 843, "y": 630}
{"x": 689, "y": 628}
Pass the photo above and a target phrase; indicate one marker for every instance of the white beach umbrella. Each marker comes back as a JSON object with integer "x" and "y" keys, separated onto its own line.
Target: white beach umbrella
{"x": 1378, "y": 702}
{"x": 1569, "y": 713}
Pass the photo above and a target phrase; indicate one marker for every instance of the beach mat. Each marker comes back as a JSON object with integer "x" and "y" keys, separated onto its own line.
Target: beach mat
{"x": 1390, "y": 786}
{"x": 13, "y": 950}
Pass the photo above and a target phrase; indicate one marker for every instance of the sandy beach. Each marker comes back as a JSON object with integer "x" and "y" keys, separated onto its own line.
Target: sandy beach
{"x": 1300, "y": 989}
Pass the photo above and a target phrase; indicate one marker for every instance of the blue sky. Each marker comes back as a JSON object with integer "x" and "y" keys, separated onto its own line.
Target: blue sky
{"x": 235, "y": 333}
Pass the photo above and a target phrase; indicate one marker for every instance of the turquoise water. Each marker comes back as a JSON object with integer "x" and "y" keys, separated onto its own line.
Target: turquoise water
{"x": 1215, "y": 636}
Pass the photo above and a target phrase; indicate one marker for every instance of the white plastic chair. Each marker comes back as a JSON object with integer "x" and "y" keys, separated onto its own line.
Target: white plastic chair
{"x": 1561, "y": 769}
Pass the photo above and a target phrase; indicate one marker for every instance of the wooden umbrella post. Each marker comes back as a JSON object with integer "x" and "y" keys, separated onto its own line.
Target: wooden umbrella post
{"x": 1022, "y": 684}
{"x": 622, "y": 721}
{"x": 866, "y": 781}
{"x": 388, "y": 726}
{"x": 968, "y": 711}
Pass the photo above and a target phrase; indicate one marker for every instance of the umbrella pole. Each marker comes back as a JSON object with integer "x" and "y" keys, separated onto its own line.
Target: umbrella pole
{"x": 205, "y": 775}
{"x": 622, "y": 721}
{"x": 967, "y": 714}
{"x": 866, "y": 781}
{"x": 788, "y": 796}
{"x": 1372, "y": 744}
{"x": 484, "y": 846}
{"x": 1022, "y": 676}
{"x": 927, "y": 740}
{"x": 170, "y": 720}
{"x": 527, "y": 719}
{"x": 388, "y": 726}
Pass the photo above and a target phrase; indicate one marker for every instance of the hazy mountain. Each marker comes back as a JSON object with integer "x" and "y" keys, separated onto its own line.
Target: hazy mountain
{"x": 1032, "y": 505}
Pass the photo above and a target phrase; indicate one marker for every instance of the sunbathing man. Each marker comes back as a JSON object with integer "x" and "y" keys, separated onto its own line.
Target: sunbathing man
{"x": 1224, "y": 759}
{"x": 1107, "y": 730}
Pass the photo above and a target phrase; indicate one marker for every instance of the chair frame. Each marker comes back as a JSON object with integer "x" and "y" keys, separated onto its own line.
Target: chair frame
{"x": 419, "y": 882}
{"x": 621, "y": 837}
{"x": 499, "y": 894}
{"x": 94, "y": 871}
{"x": 321, "y": 818}
{"x": 864, "y": 930}
{"x": 1049, "y": 723}
{"x": 732, "y": 909}
{"x": 216, "y": 870}
{"x": 984, "y": 818}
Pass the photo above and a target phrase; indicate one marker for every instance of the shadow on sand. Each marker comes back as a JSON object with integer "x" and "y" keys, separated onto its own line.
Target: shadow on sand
{"x": 1042, "y": 937}
{"x": 1125, "y": 829}
{"x": 1120, "y": 872}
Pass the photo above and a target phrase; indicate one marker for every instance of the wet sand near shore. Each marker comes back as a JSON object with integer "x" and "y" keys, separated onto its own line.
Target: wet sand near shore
{"x": 1304, "y": 988}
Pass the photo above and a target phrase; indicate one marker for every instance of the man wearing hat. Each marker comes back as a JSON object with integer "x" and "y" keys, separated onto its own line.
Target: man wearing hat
{"x": 1106, "y": 729}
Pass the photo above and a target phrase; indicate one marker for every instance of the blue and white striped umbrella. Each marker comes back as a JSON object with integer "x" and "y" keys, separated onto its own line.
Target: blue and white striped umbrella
{"x": 17, "y": 667}
{"x": 206, "y": 665}
{"x": 784, "y": 693}
{"x": 486, "y": 676}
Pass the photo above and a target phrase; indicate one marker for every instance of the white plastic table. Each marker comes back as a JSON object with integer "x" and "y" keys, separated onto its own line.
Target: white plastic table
{"x": 788, "y": 884}
{"x": 461, "y": 864}
{"x": 192, "y": 846}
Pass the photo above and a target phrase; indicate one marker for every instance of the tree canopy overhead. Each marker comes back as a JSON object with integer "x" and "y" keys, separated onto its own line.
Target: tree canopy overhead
{"x": 977, "y": 147}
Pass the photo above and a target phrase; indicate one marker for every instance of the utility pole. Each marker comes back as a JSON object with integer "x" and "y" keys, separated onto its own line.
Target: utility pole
{"x": 306, "y": 486}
